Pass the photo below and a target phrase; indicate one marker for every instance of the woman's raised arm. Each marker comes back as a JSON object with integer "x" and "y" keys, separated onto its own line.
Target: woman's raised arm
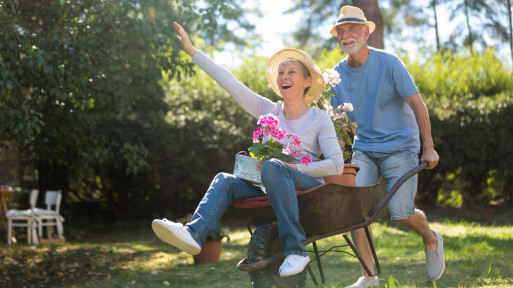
{"x": 184, "y": 39}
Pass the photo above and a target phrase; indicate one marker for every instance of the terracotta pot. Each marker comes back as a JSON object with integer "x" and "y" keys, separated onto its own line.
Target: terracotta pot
{"x": 210, "y": 252}
{"x": 348, "y": 176}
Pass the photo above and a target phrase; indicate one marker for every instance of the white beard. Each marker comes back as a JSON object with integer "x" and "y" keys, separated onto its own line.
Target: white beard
{"x": 358, "y": 44}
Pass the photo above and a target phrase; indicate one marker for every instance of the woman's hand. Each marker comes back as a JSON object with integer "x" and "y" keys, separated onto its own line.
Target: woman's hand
{"x": 184, "y": 39}
{"x": 293, "y": 166}
{"x": 259, "y": 165}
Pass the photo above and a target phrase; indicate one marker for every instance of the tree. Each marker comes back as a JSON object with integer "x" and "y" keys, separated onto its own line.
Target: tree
{"x": 509, "y": 34}
{"x": 320, "y": 13}
{"x": 223, "y": 21}
{"x": 372, "y": 12}
{"x": 433, "y": 5}
{"x": 477, "y": 11}
{"x": 80, "y": 94}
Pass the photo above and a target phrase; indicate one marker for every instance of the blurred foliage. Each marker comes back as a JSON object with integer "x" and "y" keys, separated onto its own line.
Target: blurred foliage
{"x": 470, "y": 100}
{"x": 98, "y": 95}
{"x": 80, "y": 96}
{"x": 209, "y": 128}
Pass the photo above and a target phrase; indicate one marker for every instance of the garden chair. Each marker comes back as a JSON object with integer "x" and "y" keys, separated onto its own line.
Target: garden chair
{"x": 24, "y": 218}
{"x": 50, "y": 216}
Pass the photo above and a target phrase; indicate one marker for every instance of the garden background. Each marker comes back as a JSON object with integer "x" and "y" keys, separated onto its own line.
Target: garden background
{"x": 97, "y": 99}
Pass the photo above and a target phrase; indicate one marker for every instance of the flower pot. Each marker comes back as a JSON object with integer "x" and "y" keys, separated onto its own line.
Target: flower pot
{"x": 210, "y": 252}
{"x": 245, "y": 168}
{"x": 347, "y": 178}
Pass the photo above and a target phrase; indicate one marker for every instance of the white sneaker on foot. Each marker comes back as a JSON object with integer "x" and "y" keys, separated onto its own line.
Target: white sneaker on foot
{"x": 293, "y": 264}
{"x": 176, "y": 235}
{"x": 364, "y": 282}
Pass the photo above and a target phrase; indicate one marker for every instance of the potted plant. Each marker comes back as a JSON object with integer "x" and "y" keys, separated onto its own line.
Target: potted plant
{"x": 211, "y": 250}
{"x": 343, "y": 125}
{"x": 267, "y": 145}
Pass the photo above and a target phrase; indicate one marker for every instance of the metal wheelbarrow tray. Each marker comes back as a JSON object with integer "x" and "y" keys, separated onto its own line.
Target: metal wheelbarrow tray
{"x": 327, "y": 210}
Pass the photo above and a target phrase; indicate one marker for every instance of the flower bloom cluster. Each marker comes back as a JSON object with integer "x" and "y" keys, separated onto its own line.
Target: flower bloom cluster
{"x": 331, "y": 77}
{"x": 336, "y": 115}
{"x": 343, "y": 125}
{"x": 269, "y": 129}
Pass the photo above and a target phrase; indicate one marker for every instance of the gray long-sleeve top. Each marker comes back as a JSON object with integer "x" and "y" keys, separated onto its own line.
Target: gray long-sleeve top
{"x": 315, "y": 128}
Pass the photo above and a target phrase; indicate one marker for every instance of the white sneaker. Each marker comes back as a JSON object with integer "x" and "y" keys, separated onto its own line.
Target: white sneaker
{"x": 293, "y": 264}
{"x": 364, "y": 282}
{"x": 176, "y": 235}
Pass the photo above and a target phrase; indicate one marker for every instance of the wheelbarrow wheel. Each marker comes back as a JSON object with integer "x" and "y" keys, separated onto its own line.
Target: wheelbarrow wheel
{"x": 265, "y": 242}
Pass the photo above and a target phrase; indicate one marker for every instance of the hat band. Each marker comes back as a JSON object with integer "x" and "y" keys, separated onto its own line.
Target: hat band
{"x": 350, "y": 20}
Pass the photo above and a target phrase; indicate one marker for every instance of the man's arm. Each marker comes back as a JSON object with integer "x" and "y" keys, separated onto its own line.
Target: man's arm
{"x": 422, "y": 116}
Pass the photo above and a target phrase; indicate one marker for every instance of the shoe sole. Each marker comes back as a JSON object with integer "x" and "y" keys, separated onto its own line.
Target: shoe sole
{"x": 291, "y": 274}
{"x": 443, "y": 258}
{"x": 165, "y": 234}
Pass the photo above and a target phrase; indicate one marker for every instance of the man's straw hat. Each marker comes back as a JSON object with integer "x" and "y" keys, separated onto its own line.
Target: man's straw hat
{"x": 351, "y": 14}
{"x": 271, "y": 70}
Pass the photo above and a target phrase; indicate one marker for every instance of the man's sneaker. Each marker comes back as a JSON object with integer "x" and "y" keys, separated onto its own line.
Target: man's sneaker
{"x": 364, "y": 282}
{"x": 435, "y": 262}
{"x": 176, "y": 235}
{"x": 293, "y": 264}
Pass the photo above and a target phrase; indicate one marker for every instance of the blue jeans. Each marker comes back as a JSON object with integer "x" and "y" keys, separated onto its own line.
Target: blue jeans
{"x": 391, "y": 166}
{"x": 280, "y": 182}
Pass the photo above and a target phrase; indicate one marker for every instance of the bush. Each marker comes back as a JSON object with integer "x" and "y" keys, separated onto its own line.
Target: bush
{"x": 470, "y": 101}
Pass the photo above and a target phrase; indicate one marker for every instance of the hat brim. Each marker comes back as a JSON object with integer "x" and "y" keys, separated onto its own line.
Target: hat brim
{"x": 369, "y": 24}
{"x": 271, "y": 70}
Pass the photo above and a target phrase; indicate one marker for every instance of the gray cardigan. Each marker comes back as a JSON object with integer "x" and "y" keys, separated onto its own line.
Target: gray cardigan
{"x": 315, "y": 128}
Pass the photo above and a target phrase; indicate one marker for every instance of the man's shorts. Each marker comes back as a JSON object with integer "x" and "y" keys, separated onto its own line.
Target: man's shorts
{"x": 391, "y": 166}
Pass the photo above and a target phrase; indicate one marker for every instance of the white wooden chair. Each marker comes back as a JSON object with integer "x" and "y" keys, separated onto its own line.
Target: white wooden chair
{"x": 50, "y": 216}
{"x": 24, "y": 218}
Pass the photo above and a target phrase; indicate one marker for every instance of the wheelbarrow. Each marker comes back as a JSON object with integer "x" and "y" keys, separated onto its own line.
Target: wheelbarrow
{"x": 324, "y": 211}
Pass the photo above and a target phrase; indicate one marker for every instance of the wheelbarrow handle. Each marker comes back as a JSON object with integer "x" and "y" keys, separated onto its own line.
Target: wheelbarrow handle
{"x": 394, "y": 189}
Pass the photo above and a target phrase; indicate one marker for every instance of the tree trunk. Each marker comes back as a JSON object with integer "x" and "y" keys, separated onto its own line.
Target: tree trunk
{"x": 508, "y": 2}
{"x": 371, "y": 10}
{"x": 470, "y": 36}
{"x": 433, "y": 4}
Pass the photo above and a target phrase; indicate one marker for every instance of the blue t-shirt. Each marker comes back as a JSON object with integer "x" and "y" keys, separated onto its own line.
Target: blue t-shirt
{"x": 377, "y": 89}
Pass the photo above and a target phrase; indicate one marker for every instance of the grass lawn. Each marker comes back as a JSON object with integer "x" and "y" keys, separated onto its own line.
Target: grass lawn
{"x": 478, "y": 253}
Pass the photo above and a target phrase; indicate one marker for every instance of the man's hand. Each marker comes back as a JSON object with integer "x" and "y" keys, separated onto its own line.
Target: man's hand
{"x": 430, "y": 156}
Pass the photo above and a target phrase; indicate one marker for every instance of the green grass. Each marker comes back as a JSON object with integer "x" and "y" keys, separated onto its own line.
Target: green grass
{"x": 129, "y": 255}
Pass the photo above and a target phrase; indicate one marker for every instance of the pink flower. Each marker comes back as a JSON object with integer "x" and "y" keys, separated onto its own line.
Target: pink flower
{"x": 275, "y": 139}
{"x": 296, "y": 141}
{"x": 268, "y": 121}
{"x": 306, "y": 159}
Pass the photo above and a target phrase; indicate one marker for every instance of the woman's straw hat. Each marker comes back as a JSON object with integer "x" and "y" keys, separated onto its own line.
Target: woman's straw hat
{"x": 351, "y": 14}
{"x": 271, "y": 70}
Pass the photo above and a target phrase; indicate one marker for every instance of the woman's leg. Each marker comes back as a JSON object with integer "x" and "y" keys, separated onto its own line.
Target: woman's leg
{"x": 224, "y": 189}
{"x": 281, "y": 182}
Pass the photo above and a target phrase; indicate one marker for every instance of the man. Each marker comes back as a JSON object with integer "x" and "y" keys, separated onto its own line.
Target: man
{"x": 390, "y": 115}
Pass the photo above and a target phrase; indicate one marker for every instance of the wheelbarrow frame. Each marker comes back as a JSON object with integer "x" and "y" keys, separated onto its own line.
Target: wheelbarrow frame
{"x": 260, "y": 212}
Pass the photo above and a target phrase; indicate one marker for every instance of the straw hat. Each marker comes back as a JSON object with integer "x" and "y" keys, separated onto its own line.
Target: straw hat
{"x": 351, "y": 14}
{"x": 271, "y": 70}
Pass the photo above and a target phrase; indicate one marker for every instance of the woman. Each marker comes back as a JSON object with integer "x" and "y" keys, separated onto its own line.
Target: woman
{"x": 293, "y": 76}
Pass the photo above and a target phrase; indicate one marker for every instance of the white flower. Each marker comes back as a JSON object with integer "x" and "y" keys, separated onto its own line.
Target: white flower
{"x": 347, "y": 107}
{"x": 331, "y": 77}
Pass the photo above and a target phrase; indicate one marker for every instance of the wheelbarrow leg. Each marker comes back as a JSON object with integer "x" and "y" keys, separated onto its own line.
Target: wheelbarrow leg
{"x": 371, "y": 244}
{"x": 357, "y": 255}
{"x": 319, "y": 265}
